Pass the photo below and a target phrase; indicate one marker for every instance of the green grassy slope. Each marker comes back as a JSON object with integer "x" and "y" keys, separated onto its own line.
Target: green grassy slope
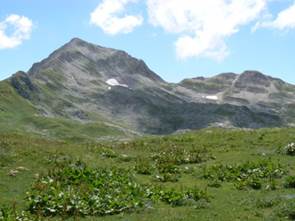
{"x": 251, "y": 186}
{"x": 18, "y": 115}
{"x": 13, "y": 108}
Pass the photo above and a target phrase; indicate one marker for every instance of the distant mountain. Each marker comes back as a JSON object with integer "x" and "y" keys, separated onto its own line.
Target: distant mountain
{"x": 86, "y": 90}
{"x": 251, "y": 89}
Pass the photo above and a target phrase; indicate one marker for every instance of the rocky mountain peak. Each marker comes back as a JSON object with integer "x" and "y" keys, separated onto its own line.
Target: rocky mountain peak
{"x": 226, "y": 76}
{"x": 78, "y": 41}
{"x": 78, "y": 57}
{"x": 253, "y": 78}
{"x": 88, "y": 49}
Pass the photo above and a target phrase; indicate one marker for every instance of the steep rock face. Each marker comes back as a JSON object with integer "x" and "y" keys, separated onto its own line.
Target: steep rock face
{"x": 83, "y": 62}
{"x": 88, "y": 83}
{"x": 21, "y": 82}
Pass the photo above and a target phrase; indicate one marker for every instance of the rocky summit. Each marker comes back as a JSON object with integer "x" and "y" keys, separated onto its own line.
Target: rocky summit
{"x": 91, "y": 88}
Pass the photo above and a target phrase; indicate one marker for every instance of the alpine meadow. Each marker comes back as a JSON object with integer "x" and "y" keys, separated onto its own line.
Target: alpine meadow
{"x": 91, "y": 132}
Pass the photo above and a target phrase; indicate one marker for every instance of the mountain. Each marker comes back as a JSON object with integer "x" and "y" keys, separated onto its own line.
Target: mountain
{"x": 251, "y": 88}
{"x": 85, "y": 90}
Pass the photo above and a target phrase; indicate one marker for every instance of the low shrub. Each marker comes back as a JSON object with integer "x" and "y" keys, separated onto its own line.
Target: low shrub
{"x": 167, "y": 167}
{"x": 254, "y": 183}
{"x": 249, "y": 174}
{"x": 167, "y": 172}
{"x": 10, "y": 214}
{"x": 173, "y": 197}
{"x": 214, "y": 183}
{"x": 77, "y": 190}
{"x": 290, "y": 182}
{"x": 125, "y": 158}
{"x": 179, "y": 156}
{"x": 286, "y": 210}
{"x": 288, "y": 149}
{"x": 144, "y": 167}
{"x": 267, "y": 202}
{"x": 108, "y": 153}
{"x": 167, "y": 177}
{"x": 182, "y": 197}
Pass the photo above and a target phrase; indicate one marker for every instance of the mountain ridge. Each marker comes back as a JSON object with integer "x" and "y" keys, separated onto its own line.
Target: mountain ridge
{"x": 86, "y": 83}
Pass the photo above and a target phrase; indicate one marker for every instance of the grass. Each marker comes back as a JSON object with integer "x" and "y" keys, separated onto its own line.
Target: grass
{"x": 179, "y": 170}
{"x": 17, "y": 115}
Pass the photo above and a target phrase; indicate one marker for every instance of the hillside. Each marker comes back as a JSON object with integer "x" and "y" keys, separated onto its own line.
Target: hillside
{"x": 193, "y": 176}
{"x": 18, "y": 114}
{"x": 85, "y": 91}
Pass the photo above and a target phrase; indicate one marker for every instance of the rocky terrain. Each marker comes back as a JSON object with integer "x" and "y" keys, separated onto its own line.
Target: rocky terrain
{"x": 85, "y": 84}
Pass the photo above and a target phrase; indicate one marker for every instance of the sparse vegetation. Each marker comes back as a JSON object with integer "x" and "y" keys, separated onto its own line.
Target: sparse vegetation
{"x": 196, "y": 175}
{"x": 251, "y": 174}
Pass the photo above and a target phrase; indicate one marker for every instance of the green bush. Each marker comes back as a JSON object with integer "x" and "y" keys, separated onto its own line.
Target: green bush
{"x": 77, "y": 190}
{"x": 144, "y": 167}
{"x": 267, "y": 202}
{"x": 289, "y": 149}
{"x": 167, "y": 172}
{"x": 182, "y": 197}
{"x": 173, "y": 197}
{"x": 167, "y": 177}
{"x": 255, "y": 183}
{"x": 287, "y": 209}
{"x": 290, "y": 182}
{"x": 108, "y": 153}
{"x": 179, "y": 156}
{"x": 167, "y": 167}
{"x": 214, "y": 183}
{"x": 10, "y": 214}
{"x": 125, "y": 158}
{"x": 251, "y": 174}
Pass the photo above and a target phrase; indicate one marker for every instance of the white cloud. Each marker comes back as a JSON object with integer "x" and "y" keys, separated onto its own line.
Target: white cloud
{"x": 108, "y": 16}
{"x": 202, "y": 26}
{"x": 284, "y": 20}
{"x": 21, "y": 28}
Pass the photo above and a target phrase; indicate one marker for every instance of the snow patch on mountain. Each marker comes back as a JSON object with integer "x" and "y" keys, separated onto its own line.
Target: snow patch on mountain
{"x": 212, "y": 97}
{"x": 114, "y": 82}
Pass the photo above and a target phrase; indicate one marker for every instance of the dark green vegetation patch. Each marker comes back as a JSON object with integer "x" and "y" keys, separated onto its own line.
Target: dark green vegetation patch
{"x": 251, "y": 174}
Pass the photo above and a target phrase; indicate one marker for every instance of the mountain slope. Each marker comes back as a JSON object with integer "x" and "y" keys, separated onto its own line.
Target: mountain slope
{"x": 251, "y": 88}
{"x": 18, "y": 114}
{"x": 85, "y": 86}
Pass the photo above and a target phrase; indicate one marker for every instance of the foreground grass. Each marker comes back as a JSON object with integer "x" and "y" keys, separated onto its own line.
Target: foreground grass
{"x": 255, "y": 182}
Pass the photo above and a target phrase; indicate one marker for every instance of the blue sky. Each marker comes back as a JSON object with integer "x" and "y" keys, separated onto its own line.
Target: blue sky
{"x": 177, "y": 38}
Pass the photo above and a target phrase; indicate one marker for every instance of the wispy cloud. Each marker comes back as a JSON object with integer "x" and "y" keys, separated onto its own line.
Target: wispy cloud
{"x": 202, "y": 26}
{"x": 21, "y": 28}
{"x": 108, "y": 16}
{"x": 284, "y": 20}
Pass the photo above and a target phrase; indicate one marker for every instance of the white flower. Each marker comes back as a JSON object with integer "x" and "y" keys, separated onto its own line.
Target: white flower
{"x": 51, "y": 210}
{"x": 61, "y": 194}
